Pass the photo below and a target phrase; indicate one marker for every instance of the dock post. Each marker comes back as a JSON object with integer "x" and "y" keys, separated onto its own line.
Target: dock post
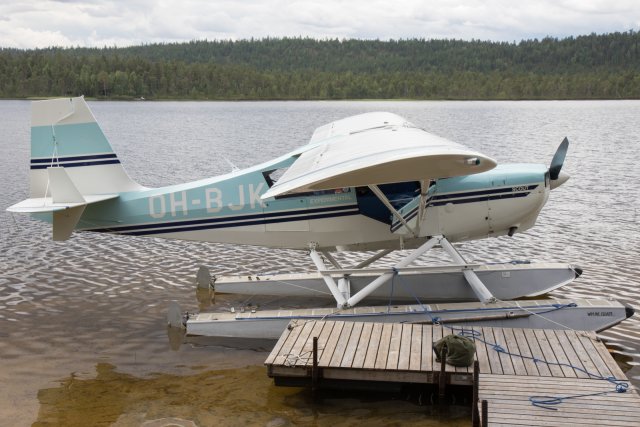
{"x": 442, "y": 377}
{"x": 314, "y": 367}
{"x": 475, "y": 419}
{"x": 485, "y": 413}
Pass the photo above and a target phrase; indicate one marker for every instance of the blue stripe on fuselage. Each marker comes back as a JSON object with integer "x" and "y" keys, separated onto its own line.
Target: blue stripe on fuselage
{"x": 233, "y": 221}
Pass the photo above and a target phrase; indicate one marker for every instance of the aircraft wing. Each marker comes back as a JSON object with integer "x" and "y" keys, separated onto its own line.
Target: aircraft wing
{"x": 384, "y": 149}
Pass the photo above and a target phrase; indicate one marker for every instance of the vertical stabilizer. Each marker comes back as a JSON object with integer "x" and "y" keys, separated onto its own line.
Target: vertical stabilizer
{"x": 64, "y": 133}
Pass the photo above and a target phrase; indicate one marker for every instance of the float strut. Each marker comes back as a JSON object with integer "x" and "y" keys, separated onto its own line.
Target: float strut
{"x": 381, "y": 280}
{"x": 328, "y": 280}
{"x": 481, "y": 291}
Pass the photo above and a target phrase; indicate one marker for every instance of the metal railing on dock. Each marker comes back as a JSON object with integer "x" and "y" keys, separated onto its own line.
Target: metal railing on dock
{"x": 525, "y": 376}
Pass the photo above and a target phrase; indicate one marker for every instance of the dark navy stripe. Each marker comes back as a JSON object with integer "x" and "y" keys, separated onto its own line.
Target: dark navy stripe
{"x": 412, "y": 213}
{"x": 74, "y": 158}
{"x": 75, "y": 165}
{"x": 295, "y": 216}
{"x": 482, "y": 192}
{"x": 240, "y": 224}
{"x": 481, "y": 199}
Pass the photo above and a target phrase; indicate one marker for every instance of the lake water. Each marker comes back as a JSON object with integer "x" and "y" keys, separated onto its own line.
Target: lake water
{"x": 82, "y": 323}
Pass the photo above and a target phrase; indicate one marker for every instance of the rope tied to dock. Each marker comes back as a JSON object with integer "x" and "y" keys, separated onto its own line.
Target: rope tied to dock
{"x": 291, "y": 359}
{"x": 547, "y": 402}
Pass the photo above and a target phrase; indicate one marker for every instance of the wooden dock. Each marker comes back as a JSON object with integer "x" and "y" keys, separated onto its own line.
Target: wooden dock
{"x": 402, "y": 353}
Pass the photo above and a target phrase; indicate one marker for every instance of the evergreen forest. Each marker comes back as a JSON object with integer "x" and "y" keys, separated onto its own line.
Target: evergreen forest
{"x": 605, "y": 66}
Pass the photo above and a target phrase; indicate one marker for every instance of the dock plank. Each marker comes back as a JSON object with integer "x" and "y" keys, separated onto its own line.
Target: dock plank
{"x": 481, "y": 353}
{"x": 276, "y": 349}
{"x": 352, "y": 345}
{"x": 362, "y": 346}
{"x": 512, "y": 345}
{"x": 324, "y": 336}
{"x": 341, "y": 345}
{"x": 547, "y": 353}
{"x": 306, "y": 352}
{"x": 523, "y": 345}
{"x": 405, "y": 346}
{"x": 581, "y": 352}
{"x": 613, "y": 367}
{"x": 416, "y": 347}
{"x": 589, "y": 343}
{"x": 383, "y": 348}
{"x": 285, "y": 350}
{"x": 560, "y": 356}
{"x": 437, "y": 332}
{"x": 330, "y": 345}
{"x": 374, "y": 345}
{"x": 394, "y": 346}
{"x": 537, "y": 353}
{"x": 506, "y": 361}
{"x": 574, "y": 360}
{"x": 296, "y": 354}
{"x": 492, "y": 354}
{"x": 426, "y": 357}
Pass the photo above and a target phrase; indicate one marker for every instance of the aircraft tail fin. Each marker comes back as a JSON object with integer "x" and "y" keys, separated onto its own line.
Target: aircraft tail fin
{"x": 64, "y": 133}
{"x": 72, "y": 165}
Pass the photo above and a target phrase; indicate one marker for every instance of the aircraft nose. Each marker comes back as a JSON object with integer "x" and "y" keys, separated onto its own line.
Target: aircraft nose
{"x": 562, "y": 178}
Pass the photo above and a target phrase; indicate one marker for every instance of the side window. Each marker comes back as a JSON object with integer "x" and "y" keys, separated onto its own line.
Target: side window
{"x": 273, "y": 176}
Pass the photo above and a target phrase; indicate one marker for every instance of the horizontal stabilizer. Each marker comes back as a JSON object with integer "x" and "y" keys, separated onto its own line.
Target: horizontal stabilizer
{"x": 46, "y": 204}
{"x": 65, "y": 203}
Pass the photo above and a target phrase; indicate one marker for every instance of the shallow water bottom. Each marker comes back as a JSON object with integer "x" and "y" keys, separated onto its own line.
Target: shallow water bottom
{"x": 232, "y": 397}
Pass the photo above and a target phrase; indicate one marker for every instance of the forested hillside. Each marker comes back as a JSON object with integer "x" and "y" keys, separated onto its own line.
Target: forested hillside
{"x": 585, "y": 67}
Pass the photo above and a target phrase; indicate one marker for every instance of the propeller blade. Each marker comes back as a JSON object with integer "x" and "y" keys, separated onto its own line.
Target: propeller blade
{"x": 558, "y": 159}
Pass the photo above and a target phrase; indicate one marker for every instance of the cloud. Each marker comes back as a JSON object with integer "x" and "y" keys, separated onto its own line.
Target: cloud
{"x": 43, "y": 23}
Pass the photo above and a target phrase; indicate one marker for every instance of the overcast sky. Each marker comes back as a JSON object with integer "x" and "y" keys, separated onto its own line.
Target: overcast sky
{"x": 44, "y": 23}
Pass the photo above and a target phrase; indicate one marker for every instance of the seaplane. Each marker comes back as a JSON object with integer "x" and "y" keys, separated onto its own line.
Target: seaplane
{"x": 373, "y": 183}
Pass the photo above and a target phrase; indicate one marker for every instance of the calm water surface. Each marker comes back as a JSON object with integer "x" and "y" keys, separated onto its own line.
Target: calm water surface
{"x": 82, "y": 323}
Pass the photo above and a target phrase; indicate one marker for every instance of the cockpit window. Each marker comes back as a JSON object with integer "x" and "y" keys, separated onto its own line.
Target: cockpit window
{"x": 273, "y": 176}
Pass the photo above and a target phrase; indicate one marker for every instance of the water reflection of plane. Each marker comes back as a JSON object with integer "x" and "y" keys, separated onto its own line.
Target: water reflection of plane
{"x": 364, "y": 183}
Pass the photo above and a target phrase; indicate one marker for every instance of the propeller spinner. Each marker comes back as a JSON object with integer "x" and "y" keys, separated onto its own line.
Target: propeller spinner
{"x": 556, "y": 176}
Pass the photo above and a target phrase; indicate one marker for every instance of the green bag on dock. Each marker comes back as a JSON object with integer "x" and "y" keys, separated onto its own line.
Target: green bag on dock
{"x": 460, "y": 350}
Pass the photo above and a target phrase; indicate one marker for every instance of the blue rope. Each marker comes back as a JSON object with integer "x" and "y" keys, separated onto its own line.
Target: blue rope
{"x": 546, "y": 402}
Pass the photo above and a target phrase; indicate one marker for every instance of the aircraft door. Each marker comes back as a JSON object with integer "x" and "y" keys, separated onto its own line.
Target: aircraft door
{"x": 462, "y": 214}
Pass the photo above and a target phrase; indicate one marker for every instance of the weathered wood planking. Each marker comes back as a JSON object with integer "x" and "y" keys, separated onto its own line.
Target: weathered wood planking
{"x": 405, "y": 348}
{"x": 508, "y": 402}
{"x": 554, "y": 364}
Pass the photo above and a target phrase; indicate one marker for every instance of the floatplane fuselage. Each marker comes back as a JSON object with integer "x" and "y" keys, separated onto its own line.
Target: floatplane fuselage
{"x": 367, "y": 182}
{"x": 78, "y": 183}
